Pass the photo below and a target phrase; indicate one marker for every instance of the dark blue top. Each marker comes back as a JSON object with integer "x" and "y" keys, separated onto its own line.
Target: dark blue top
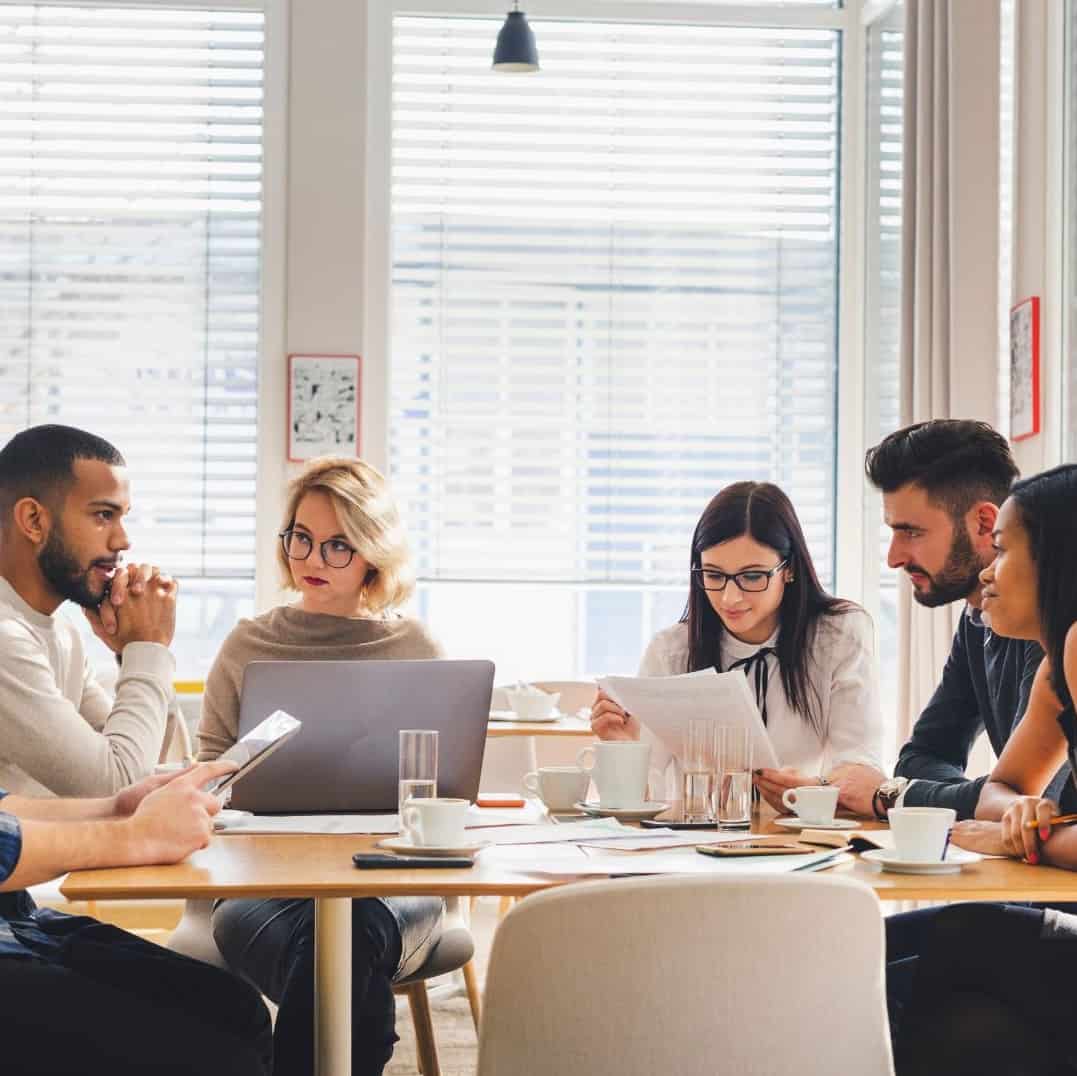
{"x": 25, "y": 929}
{"x": 985, "y": 685}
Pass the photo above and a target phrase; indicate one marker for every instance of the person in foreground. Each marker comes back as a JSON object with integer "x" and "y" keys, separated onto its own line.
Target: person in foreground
{"x": 63, "y": 497}
{"x": 755, "y": 604}
{"x": 942, "y": 482}
{"x": 995, "y": 987}
{"x": 343, "y": 549}
{"x": 82, "y": 996}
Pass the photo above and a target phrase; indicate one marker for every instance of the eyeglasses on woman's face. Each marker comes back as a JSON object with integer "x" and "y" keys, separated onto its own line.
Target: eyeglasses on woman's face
{"x": 751, "y": 580}
{"x": 298, "y": 545}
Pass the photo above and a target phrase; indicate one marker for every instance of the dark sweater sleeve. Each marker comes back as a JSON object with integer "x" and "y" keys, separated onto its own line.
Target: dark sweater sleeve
{"x": 938, "y": 751}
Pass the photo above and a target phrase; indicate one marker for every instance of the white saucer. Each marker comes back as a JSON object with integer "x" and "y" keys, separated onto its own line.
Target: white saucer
{"x": 624, "y": 814}
{"x": 512, "y": 715}
{"x": 956, "y": 858}
{"x": 404, "y": 846}
{"x": 799, "y": 823}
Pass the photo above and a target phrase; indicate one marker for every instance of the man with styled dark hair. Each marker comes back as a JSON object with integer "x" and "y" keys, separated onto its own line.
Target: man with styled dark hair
{"x": 942, "y": 484}
{"x": 63, "y": 496}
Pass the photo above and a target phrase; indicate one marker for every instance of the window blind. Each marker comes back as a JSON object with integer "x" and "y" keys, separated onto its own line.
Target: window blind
{"x": 130, "y": 198}
{"x": 613, "y": 291}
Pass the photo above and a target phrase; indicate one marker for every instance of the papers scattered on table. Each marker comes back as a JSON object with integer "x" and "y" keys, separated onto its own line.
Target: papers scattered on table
{"x": 531, "y": 813}
{"x": 664, "y": 838}
{"x": 596, "y": 829}
{"x": 665, "y": 704}
{"x": 312, "y": 823}
{"x": 569, "y": 861}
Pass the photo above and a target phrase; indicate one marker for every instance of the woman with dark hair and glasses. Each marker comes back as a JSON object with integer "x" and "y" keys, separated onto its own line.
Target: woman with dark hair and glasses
{"x": 1001, "y": 978}
{"x": 343, "y": 549}
{"x": 755, "y": 603}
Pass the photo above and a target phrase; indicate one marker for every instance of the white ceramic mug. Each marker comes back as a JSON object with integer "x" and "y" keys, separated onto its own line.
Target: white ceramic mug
{"x": 435, "y": 823}
{"x": 814, "y": 804}
{"x": 920, "y": 833}
{"x": 620, "y": 770}
{"x": 559, "y": 787}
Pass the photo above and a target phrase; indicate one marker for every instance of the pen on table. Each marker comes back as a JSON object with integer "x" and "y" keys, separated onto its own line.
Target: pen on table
{"x": 1058, "y": 820}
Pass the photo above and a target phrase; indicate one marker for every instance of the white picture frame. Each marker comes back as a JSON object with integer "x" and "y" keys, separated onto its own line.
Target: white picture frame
{"x": 324, "y": 397}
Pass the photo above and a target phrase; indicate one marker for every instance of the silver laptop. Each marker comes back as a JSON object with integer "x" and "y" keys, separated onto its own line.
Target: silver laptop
{"x": 346, "y": 757}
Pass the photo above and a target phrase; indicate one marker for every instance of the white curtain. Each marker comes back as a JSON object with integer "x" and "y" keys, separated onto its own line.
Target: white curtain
{"x": 950, "y": 263}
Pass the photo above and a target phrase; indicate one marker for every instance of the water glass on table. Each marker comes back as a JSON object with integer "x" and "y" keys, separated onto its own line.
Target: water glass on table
{"x": 698, "y": 767}
{"x": 734, "y": 791}
{"x": 418, "y": 774}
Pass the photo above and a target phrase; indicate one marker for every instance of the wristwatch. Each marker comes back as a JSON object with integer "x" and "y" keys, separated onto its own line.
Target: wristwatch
{"x": 886, "y": 795}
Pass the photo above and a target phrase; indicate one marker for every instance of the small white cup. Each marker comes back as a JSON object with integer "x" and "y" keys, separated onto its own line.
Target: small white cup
{"x": 533, "y": 705}
{"x": 435, "y": 823}
{"x": 620, "y": 770}
{"x": 814, "y": 804}
{"x": 920, "y": 832}
{"x": 559, "y": 787}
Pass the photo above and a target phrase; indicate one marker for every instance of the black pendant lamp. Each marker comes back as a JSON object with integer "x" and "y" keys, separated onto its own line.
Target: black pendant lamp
{"x": 515, "y": 50}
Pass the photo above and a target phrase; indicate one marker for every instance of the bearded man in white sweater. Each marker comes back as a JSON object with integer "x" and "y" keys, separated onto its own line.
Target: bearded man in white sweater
{"x": 63, "y": 497}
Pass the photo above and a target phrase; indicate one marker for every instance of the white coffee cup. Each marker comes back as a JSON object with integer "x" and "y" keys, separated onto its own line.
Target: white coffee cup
{"x": 920, "y": 833}
{"x": 620, "y": 770}
{"x": 559, "y": 787}
{"x": 814, "y": 804}
{"x": 435, "y": 823}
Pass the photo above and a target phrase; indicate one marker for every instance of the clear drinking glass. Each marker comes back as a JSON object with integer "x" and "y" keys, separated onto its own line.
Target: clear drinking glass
{"x": 418, "y": 775}
{"x": 734, "y": 791}
{"x": 698, "y": 765}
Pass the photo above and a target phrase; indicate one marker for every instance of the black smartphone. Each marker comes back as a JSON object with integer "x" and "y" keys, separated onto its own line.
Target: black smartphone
{"x": 675, "y": 822}
{"x": 374, "y": 860}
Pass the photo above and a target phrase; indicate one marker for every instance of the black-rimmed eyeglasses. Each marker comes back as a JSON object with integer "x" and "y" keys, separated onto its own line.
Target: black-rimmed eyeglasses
{"x": 298, "y": 545}
{"x": 751, "y": 580}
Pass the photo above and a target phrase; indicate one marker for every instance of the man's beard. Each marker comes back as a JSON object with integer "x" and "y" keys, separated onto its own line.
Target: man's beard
{"x": 959, "y": 577}
{"x": 66, "y": 576}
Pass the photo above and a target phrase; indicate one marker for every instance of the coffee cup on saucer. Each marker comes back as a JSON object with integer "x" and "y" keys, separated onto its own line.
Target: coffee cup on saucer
{"x": 620, "y": 770}
{"x": 814, "y": 804}
{"x": 921, "y": 833}
{"x": 435, "y": 823}
{"x": 559, "y": 787}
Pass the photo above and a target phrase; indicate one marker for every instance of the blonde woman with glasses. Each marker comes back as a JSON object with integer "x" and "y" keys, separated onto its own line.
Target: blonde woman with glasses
{"x": 342, "y": 548}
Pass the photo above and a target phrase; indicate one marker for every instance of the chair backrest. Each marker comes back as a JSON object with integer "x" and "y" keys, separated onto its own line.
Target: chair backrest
{"x": 693, "y": 976}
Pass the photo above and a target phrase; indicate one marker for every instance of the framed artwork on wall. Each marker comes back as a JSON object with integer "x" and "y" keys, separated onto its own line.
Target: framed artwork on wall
{"x": 323, "y": 406}
{"x": 1025, "y": 369}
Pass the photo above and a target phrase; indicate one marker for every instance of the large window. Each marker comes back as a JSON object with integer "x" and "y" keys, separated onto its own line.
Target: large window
{"x": 130, "y": 199}
{"x": 614, "y": 291}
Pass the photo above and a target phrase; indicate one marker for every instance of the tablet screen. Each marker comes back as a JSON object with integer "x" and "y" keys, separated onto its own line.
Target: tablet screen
{"x": 258, "y": 745}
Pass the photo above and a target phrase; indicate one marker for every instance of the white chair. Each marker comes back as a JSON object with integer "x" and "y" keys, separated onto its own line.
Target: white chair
{"x": 691, "y": 975}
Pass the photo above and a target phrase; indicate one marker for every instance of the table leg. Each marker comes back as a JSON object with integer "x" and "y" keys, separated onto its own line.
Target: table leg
{"x": 333, "y": 986}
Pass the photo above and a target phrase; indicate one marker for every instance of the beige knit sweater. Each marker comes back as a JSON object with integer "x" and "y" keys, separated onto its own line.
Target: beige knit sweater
{"x": 289, "y": 634}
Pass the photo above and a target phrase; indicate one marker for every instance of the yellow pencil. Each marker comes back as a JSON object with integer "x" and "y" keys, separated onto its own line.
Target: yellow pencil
{"x": 1058, "y": 820}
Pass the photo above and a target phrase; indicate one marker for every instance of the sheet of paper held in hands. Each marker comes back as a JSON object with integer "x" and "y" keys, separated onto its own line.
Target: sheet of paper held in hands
{"x": 665, "y": 704}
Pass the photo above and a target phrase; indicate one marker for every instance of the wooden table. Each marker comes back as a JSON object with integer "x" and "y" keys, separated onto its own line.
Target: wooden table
{"x": 320, "y": 867}
{"x": 563, "y": 726}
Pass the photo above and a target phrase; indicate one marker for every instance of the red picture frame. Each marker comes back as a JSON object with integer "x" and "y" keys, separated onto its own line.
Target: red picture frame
{"x": 324, "y": 405}
{"x": 1025, "y": 403}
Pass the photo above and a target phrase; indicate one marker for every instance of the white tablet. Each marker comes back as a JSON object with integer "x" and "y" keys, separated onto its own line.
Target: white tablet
{"x": 257, "y": 746}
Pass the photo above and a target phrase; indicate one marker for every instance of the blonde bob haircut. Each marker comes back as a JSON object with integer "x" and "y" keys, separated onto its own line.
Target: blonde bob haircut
{"x": 369, "y": 520}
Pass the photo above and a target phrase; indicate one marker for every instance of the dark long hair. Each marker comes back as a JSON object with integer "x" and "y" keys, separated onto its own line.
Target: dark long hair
{"x": 1047, "y": 504}
{"x": 763, "y": 512}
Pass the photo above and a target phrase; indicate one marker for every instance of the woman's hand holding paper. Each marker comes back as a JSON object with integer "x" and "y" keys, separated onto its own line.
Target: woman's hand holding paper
{"x": 610, "y": 722}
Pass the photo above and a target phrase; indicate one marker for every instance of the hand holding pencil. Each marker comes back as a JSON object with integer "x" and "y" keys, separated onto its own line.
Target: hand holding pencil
{"x": 1027, "y": 823}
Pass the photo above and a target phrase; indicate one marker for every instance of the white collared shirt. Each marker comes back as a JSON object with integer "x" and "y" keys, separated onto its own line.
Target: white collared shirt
{"x": 843, "y": 672}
